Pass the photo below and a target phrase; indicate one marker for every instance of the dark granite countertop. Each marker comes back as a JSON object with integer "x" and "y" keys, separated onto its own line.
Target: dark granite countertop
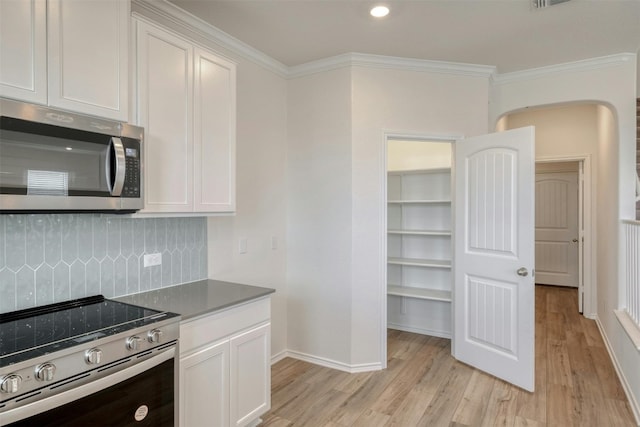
{"x": 197, "y": 298}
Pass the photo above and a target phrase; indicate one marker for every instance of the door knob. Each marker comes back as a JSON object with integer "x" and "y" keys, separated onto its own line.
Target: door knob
{"x": 522, "y": 272}
{"x": 575, "y": 240}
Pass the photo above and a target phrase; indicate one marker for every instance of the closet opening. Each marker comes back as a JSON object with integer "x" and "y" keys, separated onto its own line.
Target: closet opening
{"x": 419, "y": 235}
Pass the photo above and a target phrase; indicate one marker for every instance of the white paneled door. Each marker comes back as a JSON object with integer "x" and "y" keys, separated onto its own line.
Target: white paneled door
{"x": 557, "y": 229}
{"x": 494, "y": 255}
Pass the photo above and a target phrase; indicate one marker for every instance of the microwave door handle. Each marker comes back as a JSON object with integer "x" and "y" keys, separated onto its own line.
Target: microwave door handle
{"x": 116, "y": 166}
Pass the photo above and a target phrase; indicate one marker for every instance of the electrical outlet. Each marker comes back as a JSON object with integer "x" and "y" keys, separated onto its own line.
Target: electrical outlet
{"x": 151, "y": 260}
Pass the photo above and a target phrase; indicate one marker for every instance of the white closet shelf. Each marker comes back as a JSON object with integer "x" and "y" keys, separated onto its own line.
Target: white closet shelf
{"x": 419, "y": 293}
{"x": 419, "y": 171}
{"x": 419, "y": 202}
{"x": 433, "y": 263}
{"x": 421, "y": 232}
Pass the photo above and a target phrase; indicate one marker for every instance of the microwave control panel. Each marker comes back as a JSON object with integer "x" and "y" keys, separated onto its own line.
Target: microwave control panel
{"x": 132, "y": 175}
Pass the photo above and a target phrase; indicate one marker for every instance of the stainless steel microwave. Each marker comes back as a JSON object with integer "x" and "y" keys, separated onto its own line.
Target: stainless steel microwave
{"x": 52, "y": 160}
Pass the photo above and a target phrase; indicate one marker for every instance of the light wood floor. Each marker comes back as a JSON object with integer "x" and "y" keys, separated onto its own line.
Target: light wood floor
{"x": 576, "y": 384}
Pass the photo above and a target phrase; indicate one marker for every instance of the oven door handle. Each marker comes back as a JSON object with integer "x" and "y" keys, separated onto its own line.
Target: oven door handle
{"x": 84, "y": 390}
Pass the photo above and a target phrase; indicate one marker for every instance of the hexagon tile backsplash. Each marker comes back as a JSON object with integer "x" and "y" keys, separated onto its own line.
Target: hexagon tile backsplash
{"x": 56, "y": 257}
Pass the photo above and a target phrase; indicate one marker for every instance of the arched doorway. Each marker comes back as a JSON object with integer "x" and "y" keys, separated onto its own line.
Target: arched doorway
{"x": 567, "y": 133}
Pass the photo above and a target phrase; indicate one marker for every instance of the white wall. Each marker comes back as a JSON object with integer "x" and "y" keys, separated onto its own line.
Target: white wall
{"x": 411, "y": 102}
{"x": 569, "y": 130}
{"x": 319, "y": 216}
{"x": 336, "y": 166}
{"x": 611, "y": 81}
{"x": 607, "y": 253}
{"x": 261, "y": 196}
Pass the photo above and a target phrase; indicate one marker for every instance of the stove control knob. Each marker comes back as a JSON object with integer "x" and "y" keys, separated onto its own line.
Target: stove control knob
{"x": 45, "y": 371}
{"x": 133, "y": 343}
{"x": 10, "y": 383}
{"x": 93, "y": 356}
{"x": 154, "y": 335}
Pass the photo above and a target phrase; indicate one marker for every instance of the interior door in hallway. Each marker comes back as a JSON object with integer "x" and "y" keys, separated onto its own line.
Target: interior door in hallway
{"x": 557, "y": 235}
{"x": 493, "y": 299}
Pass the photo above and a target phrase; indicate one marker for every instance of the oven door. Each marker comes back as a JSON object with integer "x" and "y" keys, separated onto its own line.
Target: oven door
{"x": 141, "y": 395}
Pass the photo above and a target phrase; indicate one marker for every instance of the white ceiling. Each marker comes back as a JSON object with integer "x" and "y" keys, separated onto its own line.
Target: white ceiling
{"x": 504, "y": 33}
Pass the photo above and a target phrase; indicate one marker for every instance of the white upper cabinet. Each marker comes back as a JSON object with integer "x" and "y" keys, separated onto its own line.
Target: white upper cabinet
{"x": 71, "y": 54}
{"x": 165, "y": 110}
{"x": 186, "y": 103}
{"x": 88, "y": 56}
{"x": 23, "y": 50}
{"x": 214, "y": 133}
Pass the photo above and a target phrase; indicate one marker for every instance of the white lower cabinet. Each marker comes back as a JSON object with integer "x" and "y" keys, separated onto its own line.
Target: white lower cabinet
{"x": 250, "y": 382}
{"x": 225, "y": 369}
{"x": 204, "y": 385}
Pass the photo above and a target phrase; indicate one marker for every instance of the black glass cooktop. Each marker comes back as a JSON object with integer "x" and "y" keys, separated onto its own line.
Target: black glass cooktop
{"x": 36, "y": 331}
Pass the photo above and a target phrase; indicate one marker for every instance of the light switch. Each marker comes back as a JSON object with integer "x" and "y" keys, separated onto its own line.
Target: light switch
{"x": 242, "y": 245}
{"x": 274, "y": 243}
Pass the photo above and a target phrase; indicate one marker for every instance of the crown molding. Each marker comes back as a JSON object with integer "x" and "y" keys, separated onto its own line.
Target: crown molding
{"x": 389, "y": 62}
{"x": 575, "y": 66}
{"x": 191, "y": 23}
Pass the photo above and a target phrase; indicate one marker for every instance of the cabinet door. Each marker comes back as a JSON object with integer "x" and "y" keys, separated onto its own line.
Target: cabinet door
{"x": 88, "y": 56}
{"x": 203, "y": 387}
{"x": 165, "y": 110}
{"x": 214, "y": 133}
{"x": 250, "y": 375}
{"x": 23, "y": 50}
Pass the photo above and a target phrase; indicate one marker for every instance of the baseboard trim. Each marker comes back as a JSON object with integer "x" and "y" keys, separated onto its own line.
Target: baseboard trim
{"x": 635, "y": 408}
{"x": 327, "y": 363}
{"x": 278, "y": 357}
{"x": 422, "y": 331}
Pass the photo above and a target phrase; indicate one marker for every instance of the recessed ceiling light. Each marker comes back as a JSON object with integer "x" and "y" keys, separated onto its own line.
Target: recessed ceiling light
{"x": 379, "y": 11}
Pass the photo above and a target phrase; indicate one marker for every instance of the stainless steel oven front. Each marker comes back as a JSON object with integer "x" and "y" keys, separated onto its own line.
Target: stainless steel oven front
{"x": 94, "y": 363}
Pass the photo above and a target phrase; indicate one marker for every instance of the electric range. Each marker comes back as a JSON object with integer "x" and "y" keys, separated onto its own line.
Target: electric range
{"x": 51, "y": 350}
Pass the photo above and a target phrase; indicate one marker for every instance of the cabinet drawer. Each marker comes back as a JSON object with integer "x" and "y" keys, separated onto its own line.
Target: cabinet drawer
{"x": 207, "y": 329}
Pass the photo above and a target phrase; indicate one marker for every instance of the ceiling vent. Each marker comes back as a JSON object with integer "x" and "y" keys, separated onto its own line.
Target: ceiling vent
{"x": 541, "y": 4}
